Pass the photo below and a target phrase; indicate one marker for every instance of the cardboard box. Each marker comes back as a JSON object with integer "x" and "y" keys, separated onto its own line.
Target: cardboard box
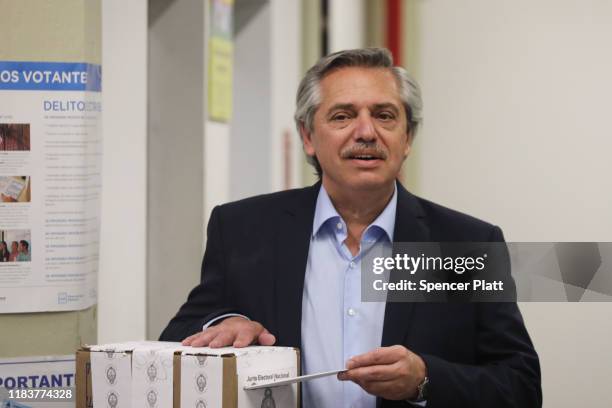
{"x": 163, "y": 375}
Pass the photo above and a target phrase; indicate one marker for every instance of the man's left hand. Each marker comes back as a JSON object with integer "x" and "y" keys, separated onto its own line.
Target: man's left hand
{"x": 393, "y": 373}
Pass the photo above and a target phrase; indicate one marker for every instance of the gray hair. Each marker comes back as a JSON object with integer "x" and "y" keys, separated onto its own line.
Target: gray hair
{"x": 309, "y": 95}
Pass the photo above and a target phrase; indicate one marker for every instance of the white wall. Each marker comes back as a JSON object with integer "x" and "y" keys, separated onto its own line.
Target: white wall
{"x": 122, "y": 279}
{"x": 517, "y": 131}
{"x": 266, "y": 75}
{"x": 346, "y": 24}
{"x": 127, "y": 226}
{"x": 251, "y": 132}
{"x": 175, "y": 219}
{"x": 285, "y": 53}
{"x": 216, "y": 145}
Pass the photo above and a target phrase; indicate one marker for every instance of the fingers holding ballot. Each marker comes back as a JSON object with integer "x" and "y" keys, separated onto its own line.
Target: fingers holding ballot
{"x": 233, "y": 331}
{"x": 393, "y": 373}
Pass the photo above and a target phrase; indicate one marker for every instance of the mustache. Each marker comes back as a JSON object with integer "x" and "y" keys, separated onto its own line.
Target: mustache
{"x": 364, "y": 149}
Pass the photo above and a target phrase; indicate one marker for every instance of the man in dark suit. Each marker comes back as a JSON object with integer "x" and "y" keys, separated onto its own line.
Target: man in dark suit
{"x": 283, "y": 268}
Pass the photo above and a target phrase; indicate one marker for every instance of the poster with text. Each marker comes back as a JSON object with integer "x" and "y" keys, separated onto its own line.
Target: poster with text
{"x": 50, "y": 182}
{"x": 33, "y": 382}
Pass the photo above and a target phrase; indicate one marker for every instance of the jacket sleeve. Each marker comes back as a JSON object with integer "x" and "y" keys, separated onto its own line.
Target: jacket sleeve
{"x": 207, "y": 300}
{"x": 507, "y": 375}
{"x": 507, "y": 370}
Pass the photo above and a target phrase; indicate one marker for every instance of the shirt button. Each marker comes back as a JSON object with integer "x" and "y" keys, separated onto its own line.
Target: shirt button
{"x": 351, "y": 311}
{"x": 352, "y": 264}
{"x": 339, "y": 225}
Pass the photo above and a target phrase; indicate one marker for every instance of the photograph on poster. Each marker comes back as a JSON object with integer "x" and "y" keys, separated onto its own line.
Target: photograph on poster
{"x": 14, "y": 137}
{"x": 15, "y": 246}
{"x": 15, "y": 189}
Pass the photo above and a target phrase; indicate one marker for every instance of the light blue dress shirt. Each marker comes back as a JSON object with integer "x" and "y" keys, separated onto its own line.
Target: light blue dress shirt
{"x": 336, "y": 324}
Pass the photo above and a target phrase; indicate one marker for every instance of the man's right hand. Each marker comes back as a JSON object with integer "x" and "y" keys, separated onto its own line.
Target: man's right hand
{"x": 234, "y": 331}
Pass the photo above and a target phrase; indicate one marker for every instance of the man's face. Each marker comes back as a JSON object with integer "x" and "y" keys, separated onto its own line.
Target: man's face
{"x": 360, "y": 129}
{"x": 21, "y": 247}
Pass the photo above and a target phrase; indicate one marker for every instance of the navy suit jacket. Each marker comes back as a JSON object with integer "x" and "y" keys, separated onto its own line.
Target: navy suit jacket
{"x": 477, "y": 354}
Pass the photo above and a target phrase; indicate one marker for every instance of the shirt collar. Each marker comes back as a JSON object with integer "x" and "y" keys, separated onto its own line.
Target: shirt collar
{"x": 325, "y": 211}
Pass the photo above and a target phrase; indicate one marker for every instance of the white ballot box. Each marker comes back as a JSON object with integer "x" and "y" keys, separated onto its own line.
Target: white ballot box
{"x": 163, "y": 375}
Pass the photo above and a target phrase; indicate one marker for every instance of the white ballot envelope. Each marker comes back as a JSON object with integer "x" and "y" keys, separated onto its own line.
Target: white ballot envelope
{"x": 270, "y": 384}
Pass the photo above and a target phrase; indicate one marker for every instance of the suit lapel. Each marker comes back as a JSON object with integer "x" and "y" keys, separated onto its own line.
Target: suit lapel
{"x": 410, "y": 226}
{"x": 292, "y": 245}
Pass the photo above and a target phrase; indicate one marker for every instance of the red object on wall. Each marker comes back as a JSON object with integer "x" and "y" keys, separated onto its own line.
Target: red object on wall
{"x": 394, "y": 41}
